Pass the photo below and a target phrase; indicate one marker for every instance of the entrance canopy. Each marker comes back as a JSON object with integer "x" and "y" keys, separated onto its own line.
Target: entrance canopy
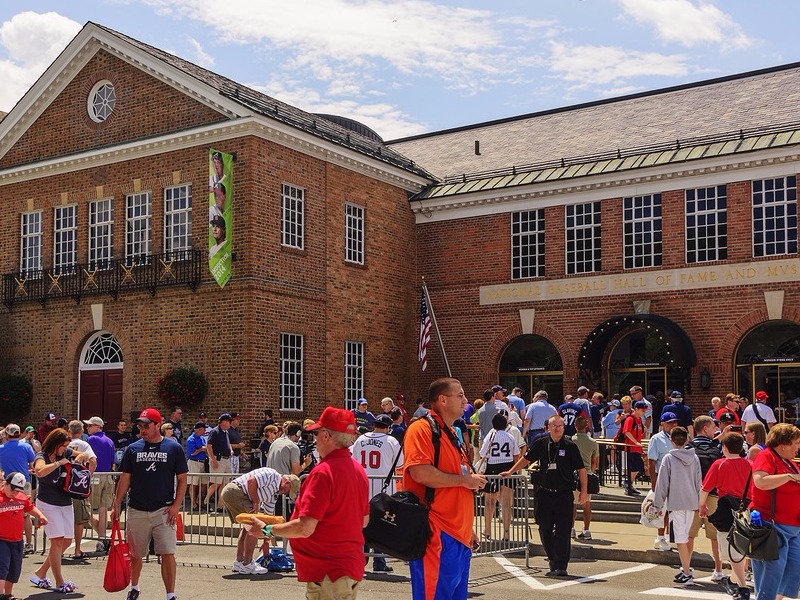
{"x": 679, "y": 348}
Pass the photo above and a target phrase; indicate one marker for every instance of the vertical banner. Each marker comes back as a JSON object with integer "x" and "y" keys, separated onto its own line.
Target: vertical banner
{"x": 220, "y": 196}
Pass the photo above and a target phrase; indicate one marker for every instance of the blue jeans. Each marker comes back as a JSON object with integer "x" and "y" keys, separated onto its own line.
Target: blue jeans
{"x": 781, "y": 576}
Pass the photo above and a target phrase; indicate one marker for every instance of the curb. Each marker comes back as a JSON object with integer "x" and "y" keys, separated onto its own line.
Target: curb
{"x": 656, "y": 557}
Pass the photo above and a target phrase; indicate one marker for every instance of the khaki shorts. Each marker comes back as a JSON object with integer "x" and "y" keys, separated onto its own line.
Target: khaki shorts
{"x": 223, "y": 466}
{"x": 235, "y": 501}
{"x": 576, "y": 494}
{"x": 343, "y": 588}
{"x": 81, "y": 512}
{"x": 711, "y": 531}
{"x": 143, "y": 526}
{"x": 102, "y": 492}
{"x": 195, "y": 466}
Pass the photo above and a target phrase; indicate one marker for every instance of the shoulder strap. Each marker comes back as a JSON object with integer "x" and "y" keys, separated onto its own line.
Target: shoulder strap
{"x": 758, "y": 415}
{"x": 390, "y": 474}
{"x": 436, "y": 436}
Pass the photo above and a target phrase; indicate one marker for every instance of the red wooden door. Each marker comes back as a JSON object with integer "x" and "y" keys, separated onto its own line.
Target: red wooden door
{"x": 101, "y": 396}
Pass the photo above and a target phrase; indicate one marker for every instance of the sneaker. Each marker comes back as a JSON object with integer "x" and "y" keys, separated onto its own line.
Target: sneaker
{"x": 572, "y": 533}
{"x": 717, "y": 576}
{"x": 585, "y": 535}
{"x": 41, "y": 582}
{"x": 99, "y": 547}
{"x": 238, "y": 567}
{"x": 662, "y": 544}
{"x": 635, "y": 492}
{"x": 383, "y": 569}
{"x": 742, "y": 593}
{"x": 683, "y": 578}
{"x": 748, "y": 576}
{"x": 253, "y": 568}
{"x": 28, "y": 549}
{"x": 132, "y": 595}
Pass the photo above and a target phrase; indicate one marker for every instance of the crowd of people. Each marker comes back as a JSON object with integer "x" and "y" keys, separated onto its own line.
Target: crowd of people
{"x": 319, "y": 472}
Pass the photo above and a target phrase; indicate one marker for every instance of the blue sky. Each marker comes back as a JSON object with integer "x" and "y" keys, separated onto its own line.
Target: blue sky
{"x": 405, "y": 67}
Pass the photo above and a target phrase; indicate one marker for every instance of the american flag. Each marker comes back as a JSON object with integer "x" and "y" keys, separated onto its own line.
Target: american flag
{"x": 424, "y": 331}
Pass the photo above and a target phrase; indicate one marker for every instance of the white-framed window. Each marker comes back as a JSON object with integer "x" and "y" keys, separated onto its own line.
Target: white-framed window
{"x": 354, "y": 233}
{"x": 30, "y": 247}
{"x": 65, "y": 239}
{"x": 138, "y": 227}
{"x": 583, "y": 243}
{"x": 101, "y": 233}
{"x": 101, "y": 101}
{"x": 177, "y": 219}
{"x": 291, "y": 394}
{"x": 292, "y": 215}
{"x": 527, "y": 244}
{"x": 707, "y": 224}
{"x": 353, "y": 373}
{"x": 641, "y": 223}
{"x": 775, "y": 216}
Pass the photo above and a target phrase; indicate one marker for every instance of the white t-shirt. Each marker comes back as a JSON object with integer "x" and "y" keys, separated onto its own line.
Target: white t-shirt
{"x": 499, "y": 447}
{"x": 376, "y": 453}
{"x": 765, "y": 411}
{"x": 81, "y": 446}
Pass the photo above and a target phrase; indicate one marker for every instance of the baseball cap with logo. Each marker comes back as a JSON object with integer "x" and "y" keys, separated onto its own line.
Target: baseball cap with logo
{"x": 16, "y": 480}
{"x": 51, "y": 417}
{"x": 30, "y": 428}
{"x": 640, "y": 404}
{"x": 362, "y": 401}
{"x": 676, "y": 395}
{"x": 726, "y": 416}
{"x": 335, "y": 419}
{"x": 150, "y": 415}
{"x": 12, "y": 429}
{"x": 668, "y": 417}
{"x": 95, "y": 421}
{"x": 762, "y": 395}
{"x": 383, "y": 421}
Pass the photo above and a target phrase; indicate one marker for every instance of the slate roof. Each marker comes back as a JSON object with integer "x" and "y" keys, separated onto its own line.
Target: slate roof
{"x": 765, "y": 98}
{"x": 275, "y": 109}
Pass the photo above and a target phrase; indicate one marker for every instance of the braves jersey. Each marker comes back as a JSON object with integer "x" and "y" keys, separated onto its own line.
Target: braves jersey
{"x": 499, "y": 447}
{"x": 376, "y": 452}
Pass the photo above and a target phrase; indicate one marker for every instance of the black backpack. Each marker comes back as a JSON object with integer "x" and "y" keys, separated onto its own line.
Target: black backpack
{"x": 707, "y": 451}
{"x": 621, "y": 437}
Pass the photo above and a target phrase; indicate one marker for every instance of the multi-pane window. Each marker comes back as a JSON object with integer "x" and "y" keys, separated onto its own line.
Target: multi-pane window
{"x": 178, "y": 219}
{"x": 353, "y": 373}
{"x": 291, "y": 394}
{"x": 101, "y": 233}
{"x": 583, "y": 238}
{"x": 706, "y": 224}
{"x": 65, "y": 239}
{"x": 292, "y": 211}
{"x": 138, "y": 227}
{"x": 354, "y": 233}
{"x": 641, "y": 216}
{"x": 775, "y": 216}
{"x": 30, "y": 252}
{"x": 527, "y": 244}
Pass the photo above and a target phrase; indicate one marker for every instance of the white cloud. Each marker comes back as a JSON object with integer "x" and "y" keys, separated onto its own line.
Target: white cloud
{"x": 31, "y": 41}
{"x": 608, "y": 66}
{"x": 201, "y": 57}
{"x": 688, "y": 23}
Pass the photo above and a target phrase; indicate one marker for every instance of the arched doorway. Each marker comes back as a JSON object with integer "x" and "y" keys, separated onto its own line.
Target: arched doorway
{"x": 533, "y": 363}
{"x": 100, "y": 381}
{"x": 768, "y": 358}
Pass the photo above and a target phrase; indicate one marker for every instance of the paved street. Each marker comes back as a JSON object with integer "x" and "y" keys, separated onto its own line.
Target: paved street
{"x": 204, "y": 572}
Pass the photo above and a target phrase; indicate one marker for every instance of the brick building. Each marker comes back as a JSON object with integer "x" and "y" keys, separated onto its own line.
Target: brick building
{"x": 105, "y": 167}
{"x": 650, "y": 240}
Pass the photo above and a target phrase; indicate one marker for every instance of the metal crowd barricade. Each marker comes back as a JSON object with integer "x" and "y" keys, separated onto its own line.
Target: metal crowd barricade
{"x": 491, "y": 518}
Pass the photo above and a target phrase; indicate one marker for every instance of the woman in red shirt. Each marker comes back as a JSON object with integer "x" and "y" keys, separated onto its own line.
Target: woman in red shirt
{"x": 775, "y": 472}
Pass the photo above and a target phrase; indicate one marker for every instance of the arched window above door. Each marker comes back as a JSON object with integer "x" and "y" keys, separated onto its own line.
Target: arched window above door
{"x": 101, "y": 351}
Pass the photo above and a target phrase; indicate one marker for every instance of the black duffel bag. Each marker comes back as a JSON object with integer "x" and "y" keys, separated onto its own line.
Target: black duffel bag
{"x": 398, "y": 525}
{"x": 592, "y": 482}
{"x": 759, "y": 542}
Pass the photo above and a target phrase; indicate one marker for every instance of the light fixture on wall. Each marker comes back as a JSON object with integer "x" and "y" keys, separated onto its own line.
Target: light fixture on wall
{"x": 705, "y": 378}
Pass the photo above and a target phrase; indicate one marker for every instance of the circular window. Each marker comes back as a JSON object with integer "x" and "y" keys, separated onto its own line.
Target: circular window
{"x": 101, "y": 101}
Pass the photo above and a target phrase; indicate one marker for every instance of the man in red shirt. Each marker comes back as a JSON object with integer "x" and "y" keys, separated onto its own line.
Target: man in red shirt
{"x": 731, "y": 406}
{"x": 633, "y": 429}
{"x": 331, "y": 511}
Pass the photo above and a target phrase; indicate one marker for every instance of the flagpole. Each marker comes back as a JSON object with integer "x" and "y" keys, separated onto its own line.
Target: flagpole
{"x": 436, "y": 326}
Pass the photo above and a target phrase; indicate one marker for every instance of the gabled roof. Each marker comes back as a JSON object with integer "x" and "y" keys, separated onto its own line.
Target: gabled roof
{"x": 232, "y": 98}
{"x": 756, "y": 99}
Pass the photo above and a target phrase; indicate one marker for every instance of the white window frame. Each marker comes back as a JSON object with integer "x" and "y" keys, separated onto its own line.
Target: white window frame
{"x": 138, "y": 227}
{"x": 527, "y": 244}
{"x": 291, "y": 371}
{"x": 642, "y": 231}
{"x": 178, "y": 220}
{"x": 101, "y": 233}
{"x": 582, "y": 229}
{"x": 30, "y": 243}
{"x": 292, "y": 216}
{"x": 353, "y": 373}
{"x": 65, "y": 239}
{"x": 774, "y": 202}
{"x": 706, "y": 223}
{"x": 354, "y": 233}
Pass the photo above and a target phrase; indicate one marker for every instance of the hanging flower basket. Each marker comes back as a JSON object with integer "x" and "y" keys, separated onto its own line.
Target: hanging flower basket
{"x": 182, "y": 386}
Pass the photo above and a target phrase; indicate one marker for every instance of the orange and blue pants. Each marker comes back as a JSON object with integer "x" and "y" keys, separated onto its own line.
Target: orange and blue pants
{"x": 443, "y": 573}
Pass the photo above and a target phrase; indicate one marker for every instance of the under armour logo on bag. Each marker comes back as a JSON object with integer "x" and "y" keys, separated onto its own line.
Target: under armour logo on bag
{"x": 389, "y": 517}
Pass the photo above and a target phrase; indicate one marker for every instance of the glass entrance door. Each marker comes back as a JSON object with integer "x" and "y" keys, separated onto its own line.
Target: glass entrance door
{"x": 651, "y": 380}
{"x": 780, "y": 381}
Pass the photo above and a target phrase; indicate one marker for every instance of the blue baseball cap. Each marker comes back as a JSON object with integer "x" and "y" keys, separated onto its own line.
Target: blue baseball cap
{"x": 668, "y": 417}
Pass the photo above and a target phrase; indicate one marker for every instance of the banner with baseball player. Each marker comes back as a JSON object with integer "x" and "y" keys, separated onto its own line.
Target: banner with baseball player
{"x": 220, "y": 195}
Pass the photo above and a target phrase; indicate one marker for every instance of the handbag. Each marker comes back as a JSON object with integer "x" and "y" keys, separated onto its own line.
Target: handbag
{"x": 592, "y": 483}
{"x": 78, "y": 481}
{"x": 759, "y": 542}
{"x": 117, "y": 576}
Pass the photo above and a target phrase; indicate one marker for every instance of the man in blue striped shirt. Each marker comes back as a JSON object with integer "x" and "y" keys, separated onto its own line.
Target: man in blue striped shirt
{"x": 255, "y": 492}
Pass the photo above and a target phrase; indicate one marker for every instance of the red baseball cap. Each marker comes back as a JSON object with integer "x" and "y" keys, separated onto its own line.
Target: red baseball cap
{"x": 762, "y": 395}
{"x": 150, "y": 415}
{"x": 335, "y": 419}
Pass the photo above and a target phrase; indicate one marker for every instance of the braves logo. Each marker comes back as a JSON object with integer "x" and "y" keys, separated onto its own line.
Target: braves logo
{"x": 389, "y": 517}
{"x": 81, "y": 480}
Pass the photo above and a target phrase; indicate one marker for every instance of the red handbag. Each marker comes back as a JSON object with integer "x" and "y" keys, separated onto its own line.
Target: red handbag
{"x": 118, "y": 566}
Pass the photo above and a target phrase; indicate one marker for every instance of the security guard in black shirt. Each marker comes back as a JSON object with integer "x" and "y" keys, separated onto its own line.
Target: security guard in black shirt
{"x": 559, "y": 459}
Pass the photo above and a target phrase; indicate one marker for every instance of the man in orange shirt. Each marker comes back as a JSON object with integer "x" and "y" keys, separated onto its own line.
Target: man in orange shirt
{"x": 443, "y": 573}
